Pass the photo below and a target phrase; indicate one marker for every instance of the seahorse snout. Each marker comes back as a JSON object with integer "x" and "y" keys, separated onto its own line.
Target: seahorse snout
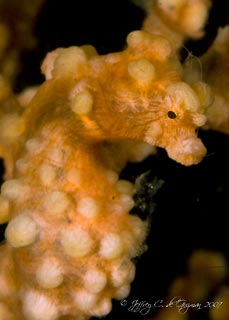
{"x": 187, "y": 151}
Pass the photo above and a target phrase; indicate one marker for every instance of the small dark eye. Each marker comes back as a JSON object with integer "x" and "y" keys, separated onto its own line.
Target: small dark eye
{"x": 171, "y": 114}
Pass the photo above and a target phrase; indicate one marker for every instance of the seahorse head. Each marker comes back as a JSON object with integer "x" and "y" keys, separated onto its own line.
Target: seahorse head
{"x": 180, "y": 113}
{"x": 136, "y": 94}
{"x": 147, "y": 99}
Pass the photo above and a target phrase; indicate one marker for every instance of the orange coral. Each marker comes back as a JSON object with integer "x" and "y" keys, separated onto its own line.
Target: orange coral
{"x": 16, "y": 24}
{"x": 215, "y": 71}
{"x": 207, "y": 271}
{"x": 70, "y": 235}
{"x": 176, "y": 19}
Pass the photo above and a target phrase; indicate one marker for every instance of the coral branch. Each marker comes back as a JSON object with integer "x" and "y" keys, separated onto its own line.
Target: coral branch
{"x": 215, "y": 72}
{"x": 177, "y": 20}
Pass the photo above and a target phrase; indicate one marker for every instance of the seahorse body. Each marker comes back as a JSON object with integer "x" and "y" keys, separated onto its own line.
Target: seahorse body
{"x": 70, "y": 238}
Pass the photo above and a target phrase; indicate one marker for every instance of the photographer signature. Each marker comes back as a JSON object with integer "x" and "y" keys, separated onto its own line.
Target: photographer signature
{"x": 182, "y": 305}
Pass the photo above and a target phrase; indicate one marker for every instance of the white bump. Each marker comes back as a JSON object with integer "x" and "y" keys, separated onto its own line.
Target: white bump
{"x": 14, "y": 189}
{"x": 57, "y": 156}
{"x": 12, "y": 126}
{"x": 4, "y": 209}
{"x": 89, "y": 51}
{"x": 115, "y": 208}
{"x": 21, "y": 231}
{"x": 122, "y": 292}
{"x": 112, "y": 176}
{"x": 57, "y": 202}
{"x": 158, "y": 45}
{"x": 74, "y": 176}
{"x": 129, "y": 242}
{"x": 49, "y": 274}
{"x": 131, "y": 272}
{"x": 139, "y": 38}
{"x": 102, "y": 308}
{"x": 111, "y": 246}
{"x": 127, "y": 202}
{"x": 184, "y": 95}
{"x": 33, "y": 145}
{"x": 95, "y": 280}
{"x": 135, "y": 38}
{"x": 76, "y": 242}
{"x": 84, "y": 300}
{"x": 48, "y": 63}
{"x": 82, "y": 102}
{"x": 138, "y": 227}
{"x": 134, "y": 245}
{"x": 21, "y": 165}
{"x": 37, "y": 306}
{"x": 194, "y": 17}
{"x": 88, "y": 207}
{"x": 125, "y": 187}
{"x": 199, "y": 119}
{"x": 142, "y": 70}
{"x": 26, "y": 96}
{"x": 68, "y": 61}
{"x": 48, "y": 174}
{"x": 122, "y": 273}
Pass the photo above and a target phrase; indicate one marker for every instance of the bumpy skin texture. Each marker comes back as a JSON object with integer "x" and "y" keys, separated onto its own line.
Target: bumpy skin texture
{"x": 176, "y": 19}
{"x": 70, "y": 237}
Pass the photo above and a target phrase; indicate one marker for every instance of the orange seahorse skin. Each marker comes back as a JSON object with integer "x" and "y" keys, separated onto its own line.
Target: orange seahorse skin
{"x": 70, "y": 237}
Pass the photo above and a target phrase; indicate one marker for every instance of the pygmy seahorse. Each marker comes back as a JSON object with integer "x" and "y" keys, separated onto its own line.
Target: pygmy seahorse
{"x": 70, "y": 240}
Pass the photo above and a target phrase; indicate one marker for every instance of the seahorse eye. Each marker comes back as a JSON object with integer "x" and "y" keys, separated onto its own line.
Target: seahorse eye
{"x": 171, "y": 114}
